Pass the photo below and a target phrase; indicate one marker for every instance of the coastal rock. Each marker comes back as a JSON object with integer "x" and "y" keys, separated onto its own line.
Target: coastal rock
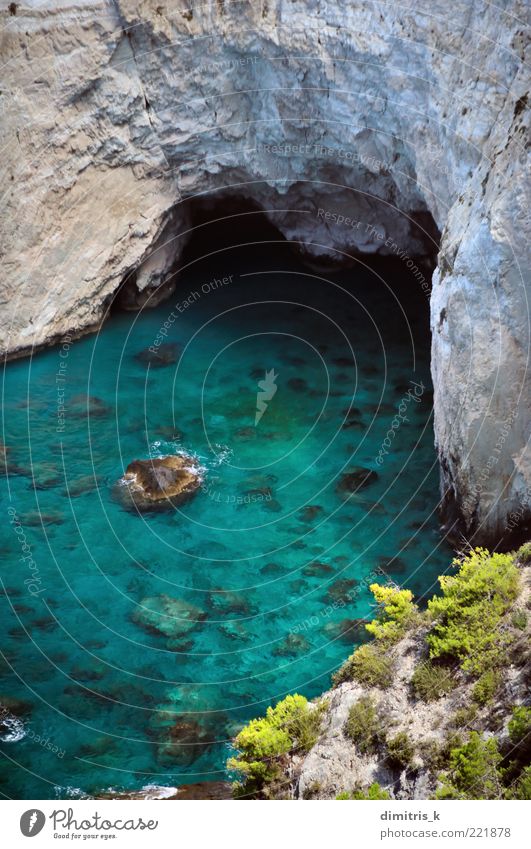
{"x": 149, "y": 792}
{"x": 13, "y": 712}
{"x": 199, "y": 790}
{"x": 335, "y": 763}
{"x": 159, "y": 483}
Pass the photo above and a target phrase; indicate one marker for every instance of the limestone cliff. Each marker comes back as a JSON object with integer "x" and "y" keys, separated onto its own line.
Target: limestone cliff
{"x": 396, "y": 116}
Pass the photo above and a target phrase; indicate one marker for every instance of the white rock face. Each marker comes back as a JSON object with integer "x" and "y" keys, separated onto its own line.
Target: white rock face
{"x": 116, "y": 114}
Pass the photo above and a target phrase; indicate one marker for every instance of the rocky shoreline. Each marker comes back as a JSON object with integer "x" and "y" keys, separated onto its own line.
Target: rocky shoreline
{"x": 407, "y": 724}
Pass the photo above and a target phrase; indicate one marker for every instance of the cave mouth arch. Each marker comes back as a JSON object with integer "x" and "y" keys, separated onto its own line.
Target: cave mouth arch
{"x": 219, "y": 222}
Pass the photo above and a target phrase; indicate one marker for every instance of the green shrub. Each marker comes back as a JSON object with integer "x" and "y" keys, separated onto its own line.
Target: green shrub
{"x": 374, "y": 792}
{"x": 520, "y": 732}
{"x": 521, "y": 789}
{"x": 396, "y": 613}
{"x": 431, "y": 681}
{"x": 473, "y": 771}
{"x": 519, "y": 620}
{"x": 486, "y": 686}
{"x": 524, "y": 553}
{"x": 311, "y": 791}
{"x": 468, "y": 613}
{"x": 437, "y": 756}
{"x": 290, "y": 725}
{"x": 464, "y": 716}
{"x": 520, "y": 724}
{"x": 400, "y": 751}
{"x": 364, "y": 726}
{"x": 369, "y": 665}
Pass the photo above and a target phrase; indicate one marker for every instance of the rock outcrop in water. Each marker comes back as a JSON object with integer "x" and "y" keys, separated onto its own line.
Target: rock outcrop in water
{"x": 371, "y": 126}
{"x": 159, "y": 483}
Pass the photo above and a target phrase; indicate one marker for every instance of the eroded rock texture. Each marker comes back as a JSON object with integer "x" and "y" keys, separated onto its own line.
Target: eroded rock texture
{"x": 115, "y": 114}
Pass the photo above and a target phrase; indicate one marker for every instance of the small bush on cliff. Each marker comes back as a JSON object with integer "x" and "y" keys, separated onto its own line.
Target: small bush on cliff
{"x": 520, "y": 733}
{"x": 290, "y": 725}
{"x": 521, "y": 789}
{"x": 364, "y": 726}
{"x": 473, "y": 771}
{"x": 368, "y": 665}
{"x": 515, "y": 766}
{"x": 431, "y": 681}
{"x": 520, "y": 724}
{"x": 396, "y": 613}
{"x": 519, "y": 620}
{"x": 465, "y": 716}
{"x": 524, "y": 554}
{"x": 468, "y": 613}
{"x": 400, "y": 751}
{"x": 436, "y": 756}
{"x": 486, "y": 686}
{"x": 374, "y": 792}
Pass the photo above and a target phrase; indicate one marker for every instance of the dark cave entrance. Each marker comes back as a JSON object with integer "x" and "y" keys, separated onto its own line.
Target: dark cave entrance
{"x": 231, "y": 225}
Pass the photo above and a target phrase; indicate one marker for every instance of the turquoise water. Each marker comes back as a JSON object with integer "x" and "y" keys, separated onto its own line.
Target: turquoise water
{"x": 273, "y": 558}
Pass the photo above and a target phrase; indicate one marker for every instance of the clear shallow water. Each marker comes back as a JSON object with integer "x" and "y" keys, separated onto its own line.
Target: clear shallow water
{"x": 124, "y": 706}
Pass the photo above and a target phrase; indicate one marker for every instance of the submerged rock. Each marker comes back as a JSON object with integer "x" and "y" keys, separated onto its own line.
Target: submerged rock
{"x": 234, "y": 630}
{"x": 228, "y": 602}
{"x": 34, "y": 518}
{"x": 44, "y": 475}
{"x": 349, "y": 631}
{"x": 165, "y": 355}
{"x": 168, "y": 432}
{"x": 82, "y": 485}
{"x": 353, "y": 424}
{"x": 317, "y": 569}
{"x": 271, "y": 504}
{"x": 81, "y": 406}
{"x": 272, "y": 569}
{"x": 259, "y": 485}
{"x": 293, "y": 645}
{"x": 342, "y": 591}
{"x": 297, "y": 384}
{"x": 246, "y": 432}
{"x": 170, "y": 617}
{"x": 182, "y": 739}
{"x": 7, "y": 466}
{"x": 159, "y": 483}
{"x": 310, "y": 513}
{"x": 355, "y": 479}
